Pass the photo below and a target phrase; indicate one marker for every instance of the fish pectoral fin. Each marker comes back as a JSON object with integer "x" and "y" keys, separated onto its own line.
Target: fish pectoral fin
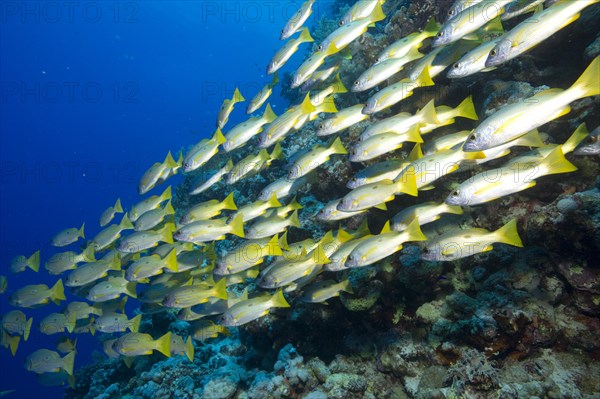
{"x": 448, "y": 251}
{"x": 429, "y": 187}
{"x": 487, "y": 248}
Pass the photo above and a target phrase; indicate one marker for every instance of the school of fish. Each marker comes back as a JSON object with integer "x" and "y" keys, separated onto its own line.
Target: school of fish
{"x": 164, "y": 262}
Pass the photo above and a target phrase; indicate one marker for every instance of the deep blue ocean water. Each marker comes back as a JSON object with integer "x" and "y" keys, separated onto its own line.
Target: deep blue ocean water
{"x": 93, "y": 93}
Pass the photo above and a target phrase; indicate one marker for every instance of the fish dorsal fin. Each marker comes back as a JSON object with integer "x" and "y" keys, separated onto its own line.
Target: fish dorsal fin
{"x": 386, "y": 228}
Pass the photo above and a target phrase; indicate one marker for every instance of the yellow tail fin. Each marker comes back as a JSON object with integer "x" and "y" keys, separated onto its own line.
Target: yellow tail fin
{"x": 424, "y": 79}
{"x": 171, "y": 261}
{"x": 128, "y": 361}
{"x": 319, "y": 256}
{"x": 134, "y": 325}
{"x": 277, "y": 152}
{"x": 275, "y": 80}
{"x": 126, "y": 223}
{"x": 81, "y": 233}
{"x": 273, "y": 202}
{"x": 13, "y": 343}
{"x": 237, "y": 226}
{"x": 338, "y": 147}
{"x": 589, "y": 81}
{"x": 455, "y": 209}
{"x": 272, "y": 247}
{"x": 237, "y": 96}
{"x": 294, "y": 220}
{"x": 189, "y": 349}
{"x": 220, "y": 289}
{"x": 169, "y": 210}
{"x": 89, "y": 254}
{"x": 163, "y": 344}
{"x": 69, "y": 362}
{"x": 166, "y": 233}
{"x": 71, "y": 321}
{"x": 169, "y": 162}
{"x": 407, "y": 183}
{"x": 27, "y": 329}
{"x": 307, "y": 106}
{"x": 219, "y": 137}
{"x": 283, "y": 242}
{"x": 269, "y": 116}
{"x": 130, "y": 289}
{"x": 386, "y": 228}
{"x": 347, "y": 286}
{"x": 508, "y": 234}
{"x": 278, "y": 300}
{"x": 305, "y": 37}
{"x": 555, "y": 163}
{"x": 432, "y": 28}
{"x": 414, "y": 231}
{"x": 118, "y": 208}
{"x": 414, "y": 135}
{"x": 228, "y": 203}
{"x": 466, "y": 109}
{"x": 428, "y": 114}
{"x": 57, "y": 292}
{"x": 34, "y": 261}
{"x": 577, "y": 137}
{"x": 338, "y": 85}
{"x": 167, "y": 194}
{"x": 377, "y": 14}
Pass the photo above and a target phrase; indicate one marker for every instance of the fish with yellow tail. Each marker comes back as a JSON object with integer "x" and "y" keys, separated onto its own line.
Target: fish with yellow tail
{"x": 149, "y": 204}
{"x": 253, "y": 164}
{"x": 109, "y": 235}
{"x": 227, "y": 108}
{"x": 141, "y": 240}
{"x": 410, "y": 43}
{"x": 69, "y": 260}
{"x": 152, "y": 176}
{"x": 426, "y": 212}
{"x": 90, "y": 272}
{"x": 341, "y": 120}
{"x": 16, "y": 322}
{"x": 514, "y": 120}
{"x": 82, "y": 310}
{"x": 262, "y": 96}
{"x": 294, "y": 24}
{"x": 150, "y": 266}
{"x": 315, "y": 158}
{"x": 386, "y": 243}
{"x": 31, "y": 296}
{"x": 66, "y": 345}
{"x": 383, "y": 71}
{"x": 284, "y": 124}
{"x": 47, "y": 361}
{"x": 202, "y": 152}
{"x": 9, "y": 342}
{"x": 516, "y": 176}
{"x": 375, "y": 195}
{"x": 111, "y": 289}
{"x": 397, "y": 92}
{"x": 110, "y": 212}
{"x": 190, "y": 295}
{"x": 288, "y": 50}
{"x": 117, "y": 322}
{"x": 153, "y": 218}
{"x": 447, "y": 115}
{"x": 251, "y": 309}
{"x": 256, "y": 209}
{"x": 324, "y": 290}
{"x": 181, "y": 348}
{"x": 463, "y": 243}
{"x": 68, "y": 236}
{"x": 384, "y": 143}
{"x": 535, "y": 30}
{"x": 268, "y": 227}
{"x": 20, "y": 263}
{"x": 240, "y": 135}
{"x": 139, "y": 344}
{"x": 204, "y": 182}
{"x": 56, "y": 323}
{"x": 210, "y": 230}
{"x": 468, "y": 21}
{"x": 360, "y": 9}
{"x": 346, "y": 34}
{"x": 206, "y": 329}
{"x": 207, "y": 210}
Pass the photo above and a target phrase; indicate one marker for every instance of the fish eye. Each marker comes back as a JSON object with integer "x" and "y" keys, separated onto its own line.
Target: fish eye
{"x": 493, "y": 52}
{"x": 440, "y": 34}
{"x": 456, "y": 65}
{"x": 320, "y": 47}
{"x": 472, "y": 137}
{"x": 321, "y": 126}
{"x": 450, "y": 12}
{"x": 356, "y": 83}
{"x": 341, "y": 23}
{"x": 456, "y": 193}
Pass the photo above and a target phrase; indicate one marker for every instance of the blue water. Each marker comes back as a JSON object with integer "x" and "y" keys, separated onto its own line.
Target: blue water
{"x": 92, "y": 94}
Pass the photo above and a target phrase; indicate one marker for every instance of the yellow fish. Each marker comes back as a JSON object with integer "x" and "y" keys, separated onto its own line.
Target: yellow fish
{"x": 202, "y": 152}
{"x": 227, "y": 108}
{"x": 110, "y": 212}
{"x": 68, "y": 236}
{"x": 31, "y": 296}
{"x": 47, "y": 361}
{"x": 288, "y": 50}
{"x": 152, "y": 176}
{"x": 20, "y": 263}
{"x": 138, "y": 344}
